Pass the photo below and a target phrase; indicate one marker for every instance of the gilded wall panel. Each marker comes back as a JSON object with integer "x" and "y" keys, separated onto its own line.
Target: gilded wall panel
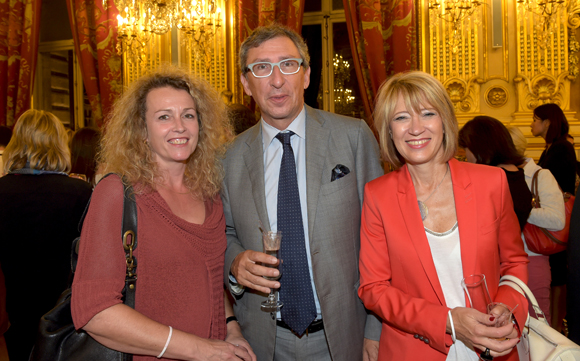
{"x": 534, "y": 61}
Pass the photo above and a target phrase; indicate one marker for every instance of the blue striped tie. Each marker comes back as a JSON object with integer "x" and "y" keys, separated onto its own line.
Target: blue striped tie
{"x": 296, "y": 292}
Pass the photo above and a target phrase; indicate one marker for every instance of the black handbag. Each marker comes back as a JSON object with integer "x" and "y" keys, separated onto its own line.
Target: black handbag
{"x": 57, "y": 339}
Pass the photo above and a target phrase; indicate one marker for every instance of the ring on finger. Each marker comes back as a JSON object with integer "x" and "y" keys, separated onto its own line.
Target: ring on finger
{"x": 486, "y": 355}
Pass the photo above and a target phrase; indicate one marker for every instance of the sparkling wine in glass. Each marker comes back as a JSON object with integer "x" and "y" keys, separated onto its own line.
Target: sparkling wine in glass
{"x": 271, "y": 241}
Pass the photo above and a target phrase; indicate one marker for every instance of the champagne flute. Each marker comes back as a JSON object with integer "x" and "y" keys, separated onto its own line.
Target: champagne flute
{"x": 503, "y": 315}
{"x": 478, "y": 298}
{"x": 475, "y": 288}
{"x": 271, "y": 241}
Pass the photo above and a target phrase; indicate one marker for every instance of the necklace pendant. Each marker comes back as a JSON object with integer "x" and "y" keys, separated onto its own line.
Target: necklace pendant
{"x": 423, "y": 210}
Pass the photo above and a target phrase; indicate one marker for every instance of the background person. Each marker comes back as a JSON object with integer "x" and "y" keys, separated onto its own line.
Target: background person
{"x": 551, "y": 216}
{"x": 165, "y": 138}
{"x": 570, "y": 139}
{"x": 241, "y": 117}
{"x": 487, "y": 141}
{"x": 40, "y": 211}
{"x": 559, "y": 157}
{"x": 430, "y": 223}
{"x": 5, "y": 135}
{"x": 330, "y": 158}
{"x": 84, "y": 148}
{"x": 573, "y": 315}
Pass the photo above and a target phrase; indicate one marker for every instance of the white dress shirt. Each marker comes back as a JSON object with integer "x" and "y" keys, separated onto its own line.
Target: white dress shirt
{"x": 272, "y": 160}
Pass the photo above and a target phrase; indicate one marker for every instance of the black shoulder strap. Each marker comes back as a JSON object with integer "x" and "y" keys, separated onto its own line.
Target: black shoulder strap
{"x": 130, "y": 243}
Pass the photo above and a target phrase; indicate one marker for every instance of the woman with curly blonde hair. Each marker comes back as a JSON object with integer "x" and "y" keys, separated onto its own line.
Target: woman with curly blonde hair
{"x": 39, "y": 215}
{"x": 165, "y": 138}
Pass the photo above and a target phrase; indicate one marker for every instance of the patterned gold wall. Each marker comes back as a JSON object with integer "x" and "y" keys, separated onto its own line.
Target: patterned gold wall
{"x": 502, "y": 62}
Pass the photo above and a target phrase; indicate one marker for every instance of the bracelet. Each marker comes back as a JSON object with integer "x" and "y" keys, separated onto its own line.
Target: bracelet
{"x": 452, "y": 327}
{"x": 230, "y": 319}
{"x": 167, "y": 342}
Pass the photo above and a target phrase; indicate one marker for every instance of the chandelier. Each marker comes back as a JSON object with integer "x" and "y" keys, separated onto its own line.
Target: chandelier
{"x": 454, "y": 12}
{"x": 138, "y": 20}
{"x": 546, "y": 12}
{"x": 343, "y": 96}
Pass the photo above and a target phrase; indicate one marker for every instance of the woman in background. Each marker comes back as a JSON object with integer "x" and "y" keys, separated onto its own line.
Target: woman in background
{"x": 40, "y": 214}
{"x": 430, "y": 223}
{"x": 559, "y": 157}
{"x": 487, "y": 141}
{"x": 164, "y": 138}
{"x": 551, "y": 216}
{"x": 84, "y": 148}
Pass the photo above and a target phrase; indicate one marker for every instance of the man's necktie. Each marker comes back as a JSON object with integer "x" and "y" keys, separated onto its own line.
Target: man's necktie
{"x": 296, "y": 293}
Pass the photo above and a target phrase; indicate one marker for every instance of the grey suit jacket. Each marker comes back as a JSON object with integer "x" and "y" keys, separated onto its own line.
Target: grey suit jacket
{"x": 334, "y": 211}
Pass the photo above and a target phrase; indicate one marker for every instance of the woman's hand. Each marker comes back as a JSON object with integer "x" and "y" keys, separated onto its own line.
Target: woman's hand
{"x": 477, "y": 330}
{"x": 216, "y": 350}
{"x": 235, "y": 337}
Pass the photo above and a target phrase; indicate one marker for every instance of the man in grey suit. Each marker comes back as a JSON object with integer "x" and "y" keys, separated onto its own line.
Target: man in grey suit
{"x": 297, "y": 169}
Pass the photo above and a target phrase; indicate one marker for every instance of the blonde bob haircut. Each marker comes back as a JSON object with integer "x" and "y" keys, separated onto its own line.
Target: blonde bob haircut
{"x": 124, "y": 149}
{"x": 40, "y": 140}
{"x": 417, "y": 89}
{"x": 519, "y": 139}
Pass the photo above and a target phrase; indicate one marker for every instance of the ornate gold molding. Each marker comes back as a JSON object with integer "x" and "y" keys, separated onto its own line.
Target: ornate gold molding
{"x": 496, "y": 96}
{"x": 464, "y": 94}
{"x": 542, "y": 88}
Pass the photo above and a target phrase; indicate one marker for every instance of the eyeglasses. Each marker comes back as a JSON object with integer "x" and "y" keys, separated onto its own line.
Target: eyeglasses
{"x": 264, "y": 69}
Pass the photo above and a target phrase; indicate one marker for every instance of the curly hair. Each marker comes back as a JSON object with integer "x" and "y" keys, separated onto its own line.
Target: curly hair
{"x": 417, "y": 88}
{"x": 125, "y": 152}
{"x": 39, "y": 139}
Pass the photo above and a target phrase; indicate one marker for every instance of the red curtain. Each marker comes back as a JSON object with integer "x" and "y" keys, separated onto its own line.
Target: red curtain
{"x": 264, "y": 12}
{"x": 377, "y": 29}
{"x": 94, "y": 29}
{"x": 19, "y": 30}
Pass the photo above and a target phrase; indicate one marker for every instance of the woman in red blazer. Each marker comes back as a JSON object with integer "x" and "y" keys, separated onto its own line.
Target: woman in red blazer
{"x": 430, "y": 223}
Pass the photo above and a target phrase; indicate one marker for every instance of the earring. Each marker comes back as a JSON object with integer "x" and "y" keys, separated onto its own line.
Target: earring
{"x": 391, "y": 134}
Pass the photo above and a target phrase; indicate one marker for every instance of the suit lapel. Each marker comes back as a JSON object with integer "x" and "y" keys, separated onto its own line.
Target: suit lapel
{"x": 466, "y": 209}
{"x": 412, "y": 217}
{"x": 316, "y": 149}
{"x": 254, "y": 159}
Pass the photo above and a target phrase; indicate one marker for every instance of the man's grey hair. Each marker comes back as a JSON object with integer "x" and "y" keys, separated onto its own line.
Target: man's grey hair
{"x": 264, "y": 33}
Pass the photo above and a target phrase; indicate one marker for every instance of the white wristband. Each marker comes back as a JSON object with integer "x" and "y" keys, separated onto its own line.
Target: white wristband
{"x": 452, "y": 327}
{"x": 167, "y": 342}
